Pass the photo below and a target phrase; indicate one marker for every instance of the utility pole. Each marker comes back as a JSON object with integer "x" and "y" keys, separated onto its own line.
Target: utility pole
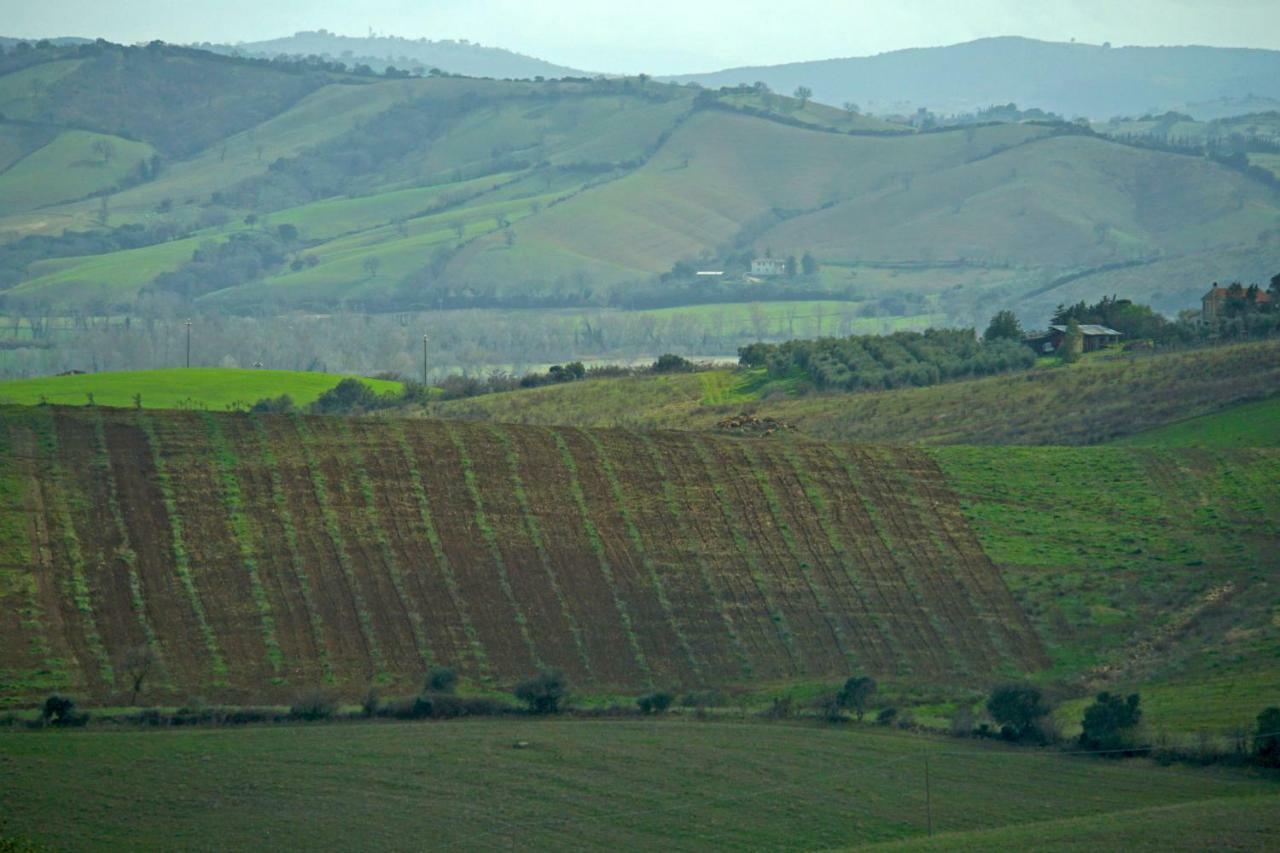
{"x": 928, "y": 800}
{"x": 424, "y": 361}
{"x": 188, "y": 343}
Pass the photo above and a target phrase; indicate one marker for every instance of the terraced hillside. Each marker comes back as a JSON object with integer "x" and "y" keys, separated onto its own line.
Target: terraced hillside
{"x": 258, "y": 556}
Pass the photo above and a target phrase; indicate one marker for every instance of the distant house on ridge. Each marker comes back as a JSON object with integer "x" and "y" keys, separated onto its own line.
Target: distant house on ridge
{"x": 769, "y": 266}
{"x": 1213, "y": 302}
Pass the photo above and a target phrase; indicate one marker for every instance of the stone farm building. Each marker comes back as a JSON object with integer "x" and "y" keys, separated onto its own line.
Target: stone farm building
{"x": 1095, "y": 338}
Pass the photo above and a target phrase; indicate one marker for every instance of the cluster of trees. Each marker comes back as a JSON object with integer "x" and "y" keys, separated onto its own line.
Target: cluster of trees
{"x": 866, "y": 362}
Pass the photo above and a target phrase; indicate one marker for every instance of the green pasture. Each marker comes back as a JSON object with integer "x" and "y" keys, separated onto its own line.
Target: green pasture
{"x": 68, "y": 168}
{"x": 673, "y": 784}
{"x": 20, "y": 90}
{"x": 213, "y": 388}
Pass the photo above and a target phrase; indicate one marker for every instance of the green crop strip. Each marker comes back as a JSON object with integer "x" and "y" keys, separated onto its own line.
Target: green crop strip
{"x": 882, "y": 531}
{"x": 437, "y": 550}
{"x": 102, "y": 463}
{"x": 734, "y": 523}
{"x": 16, "y": 546}
{"x": 822, "y": 509}
{"x": 597, "y": 547}
{"x": 225, "y": 462}
{"x": 491, "y": 538}
{"x": 789, "y": 539}
{"x": 535, "y": 534}
{"x": 285, "y": 518}
{"x": 181, "y": 560}
{"x": 704, "y": 570}
{"x": 53, "y": 484}
{"x": 633, "y": 532}
{"x": 320, "y": 487}
{"x": 374, "y": 524}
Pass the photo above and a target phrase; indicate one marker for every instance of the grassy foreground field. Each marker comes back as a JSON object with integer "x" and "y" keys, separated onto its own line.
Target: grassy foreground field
{"x": 210, "y": 388}
{"x": 1097, "y": 400}
{"x": 598, "y": 784}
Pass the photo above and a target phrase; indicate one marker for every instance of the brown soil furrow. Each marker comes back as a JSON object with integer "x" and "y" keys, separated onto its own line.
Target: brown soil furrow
{"x": 808, "y": 517}
{"x": 216, "y": 565}
{"x": 186, "y": 658}
{"x": 349, "y": 647}
{"x": 765, "y": 642}
{"x": 770, "y": 586}
{"x": 679, "y": 568}
{"x": 399, "y": 514}
{"x": 587, "y": 594}
{"x": 299, "y": 630}
{"x": 903, "y": 609}
{"x": 389, "y": 619}
{"x": 663, "y": 636}
{"x": 816, "y": 637}
{"x": 952, "y": 574}
{"x": 530, "y": 582}
{"x": 454, "y": 512}
{"x": 101, "y": 547}
{"x": 931, "y": 595}
{"x": 63, "y": 636}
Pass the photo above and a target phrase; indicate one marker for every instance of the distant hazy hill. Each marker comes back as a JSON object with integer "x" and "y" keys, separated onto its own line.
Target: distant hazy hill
{"x": 1071, "y": 79}
{"x": 455, "y": 57}
{"x": 452, "y": 192}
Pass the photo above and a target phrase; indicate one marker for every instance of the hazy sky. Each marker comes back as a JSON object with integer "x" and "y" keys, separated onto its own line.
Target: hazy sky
{"x": 665, "y": 36}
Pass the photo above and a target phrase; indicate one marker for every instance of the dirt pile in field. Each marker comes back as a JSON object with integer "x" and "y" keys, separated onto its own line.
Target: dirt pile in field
{"x": 260, "y": 556}
{"x": 748, "y": 424}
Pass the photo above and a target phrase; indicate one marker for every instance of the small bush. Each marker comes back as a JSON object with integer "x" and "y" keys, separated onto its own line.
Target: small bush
{"x": 856, "y": 694}
{"x": 544, "y": 692}
{"x": 671, "y": 363}
{"x": 61, "y": 711}
{"x": 781, "y": 709}
{"x": 370, "y": 704}
{"x": 655, "y": 703}
{"x": 1111, "y": 722}
{"x": 441, "y": 679}
{"x": 312, "y": 707}
{"x": 283, "y": 403}
{"x": 886, "y": 716}
{"x": 1266, "y": 739}
{"x": 1019, "y": 709}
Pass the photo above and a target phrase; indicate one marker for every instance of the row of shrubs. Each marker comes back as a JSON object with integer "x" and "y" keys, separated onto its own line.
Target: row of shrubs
{"x": 1019, "y": 712}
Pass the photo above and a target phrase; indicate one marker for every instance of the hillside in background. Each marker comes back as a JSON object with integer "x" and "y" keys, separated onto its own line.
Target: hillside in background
{"x": 1097, "y": 400}
{"x": 419, "y": 55}
{"x": 1096, "y": 81}
{"x": 173, "y": 180}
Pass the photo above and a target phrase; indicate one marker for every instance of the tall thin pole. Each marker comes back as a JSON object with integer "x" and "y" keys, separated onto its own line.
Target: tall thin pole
{"x": 424, "y": 360}
{"x": 928, "y": 800}
{"x": 188, "y": 343}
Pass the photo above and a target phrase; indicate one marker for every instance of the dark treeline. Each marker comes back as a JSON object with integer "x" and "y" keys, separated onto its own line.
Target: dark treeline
{"x": 869, "y": 362}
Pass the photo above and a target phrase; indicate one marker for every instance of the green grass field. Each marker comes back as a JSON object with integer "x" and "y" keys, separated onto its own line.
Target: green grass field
{"x": 212, "y": 388}
{"x": 1255, "y": 424}
{"x": 68, "y": 168}
{"x": 585, "y": 785}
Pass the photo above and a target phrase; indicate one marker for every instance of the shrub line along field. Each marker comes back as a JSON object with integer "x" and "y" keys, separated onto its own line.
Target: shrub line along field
{"x": 262, "y": 555}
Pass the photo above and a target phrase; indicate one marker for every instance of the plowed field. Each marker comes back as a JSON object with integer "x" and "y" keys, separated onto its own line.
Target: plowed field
{"x": 261, "y": 555}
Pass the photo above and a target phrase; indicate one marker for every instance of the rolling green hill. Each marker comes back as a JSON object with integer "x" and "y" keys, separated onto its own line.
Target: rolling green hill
{"x": 1254, "y": 424}
{"x": 455, "y": 192}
